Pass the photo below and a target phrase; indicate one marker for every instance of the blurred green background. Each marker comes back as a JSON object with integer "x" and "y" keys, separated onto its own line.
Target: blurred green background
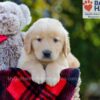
{"x": 84, "y": 34}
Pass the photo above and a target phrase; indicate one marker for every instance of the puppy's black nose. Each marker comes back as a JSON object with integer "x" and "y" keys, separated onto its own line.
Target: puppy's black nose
{"x": 47, "y": 53}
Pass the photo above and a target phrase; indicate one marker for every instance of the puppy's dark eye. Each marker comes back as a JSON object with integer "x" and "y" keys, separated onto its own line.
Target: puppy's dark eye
{"x": 55, "y": 40}
{"x": 39, "y": 39}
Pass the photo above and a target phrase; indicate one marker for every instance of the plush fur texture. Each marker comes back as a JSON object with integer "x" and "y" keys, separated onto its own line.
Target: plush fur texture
{"x": 73, "y": 61}
{"x": 13, "y": 18}
{"x": 46, "y": 35}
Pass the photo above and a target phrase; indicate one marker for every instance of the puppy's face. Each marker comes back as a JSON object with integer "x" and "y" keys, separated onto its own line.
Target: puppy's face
{"x": 47, "y": 43}
{"x": 47, "y": 46}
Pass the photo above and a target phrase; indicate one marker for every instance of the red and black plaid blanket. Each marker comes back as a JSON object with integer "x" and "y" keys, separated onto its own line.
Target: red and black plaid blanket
{"x": 16, "y": 84}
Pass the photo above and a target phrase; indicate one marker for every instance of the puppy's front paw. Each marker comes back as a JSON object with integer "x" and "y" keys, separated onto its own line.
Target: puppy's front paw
{"x": 39, "y": 77}
{"x": 52, "y": 80}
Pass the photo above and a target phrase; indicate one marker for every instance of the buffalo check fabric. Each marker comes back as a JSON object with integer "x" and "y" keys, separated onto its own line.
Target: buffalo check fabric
{"x": 16, "y": 84}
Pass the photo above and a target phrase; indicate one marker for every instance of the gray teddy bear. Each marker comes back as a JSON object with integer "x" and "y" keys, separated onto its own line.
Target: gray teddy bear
{"x": 13, "y": 18}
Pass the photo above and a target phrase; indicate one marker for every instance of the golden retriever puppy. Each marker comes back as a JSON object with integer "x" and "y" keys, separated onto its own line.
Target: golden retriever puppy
{"x": 46, "y": 47}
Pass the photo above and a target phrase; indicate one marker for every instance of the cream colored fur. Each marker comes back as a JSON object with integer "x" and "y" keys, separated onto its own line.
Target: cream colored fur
{"x": 41, "y": 36}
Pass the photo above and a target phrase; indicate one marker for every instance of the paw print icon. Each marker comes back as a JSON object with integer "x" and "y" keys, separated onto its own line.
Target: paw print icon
{"x": 88, "y": 5}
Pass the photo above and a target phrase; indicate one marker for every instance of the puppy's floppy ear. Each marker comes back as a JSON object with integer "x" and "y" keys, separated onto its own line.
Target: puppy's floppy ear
{"x": 27, "y": 43}
{"x": 66, "y": 48}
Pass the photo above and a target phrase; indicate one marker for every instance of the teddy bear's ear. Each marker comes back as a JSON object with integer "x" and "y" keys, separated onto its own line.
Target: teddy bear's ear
{"x": 26, "y": 13}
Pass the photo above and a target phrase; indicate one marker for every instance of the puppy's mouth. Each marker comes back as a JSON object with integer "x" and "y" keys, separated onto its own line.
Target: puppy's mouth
{"x": 45, "y": 61}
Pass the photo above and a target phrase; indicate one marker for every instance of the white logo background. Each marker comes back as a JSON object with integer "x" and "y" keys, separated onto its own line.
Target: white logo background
{"x": 91, "y": 10}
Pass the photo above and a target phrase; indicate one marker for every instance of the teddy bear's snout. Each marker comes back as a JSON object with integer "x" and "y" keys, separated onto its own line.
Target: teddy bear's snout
{"x": 3, "y": 18}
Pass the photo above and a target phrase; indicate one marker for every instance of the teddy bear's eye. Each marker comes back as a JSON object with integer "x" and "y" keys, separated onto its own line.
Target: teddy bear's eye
{"x": 1, "y": 12}
{"x": 55, "y": 40}
{"x": 13, "y": 13}
{"x": 39, "y": 39}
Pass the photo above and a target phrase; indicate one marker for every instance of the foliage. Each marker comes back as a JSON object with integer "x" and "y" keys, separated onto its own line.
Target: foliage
{"x": 84, "y": 34}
